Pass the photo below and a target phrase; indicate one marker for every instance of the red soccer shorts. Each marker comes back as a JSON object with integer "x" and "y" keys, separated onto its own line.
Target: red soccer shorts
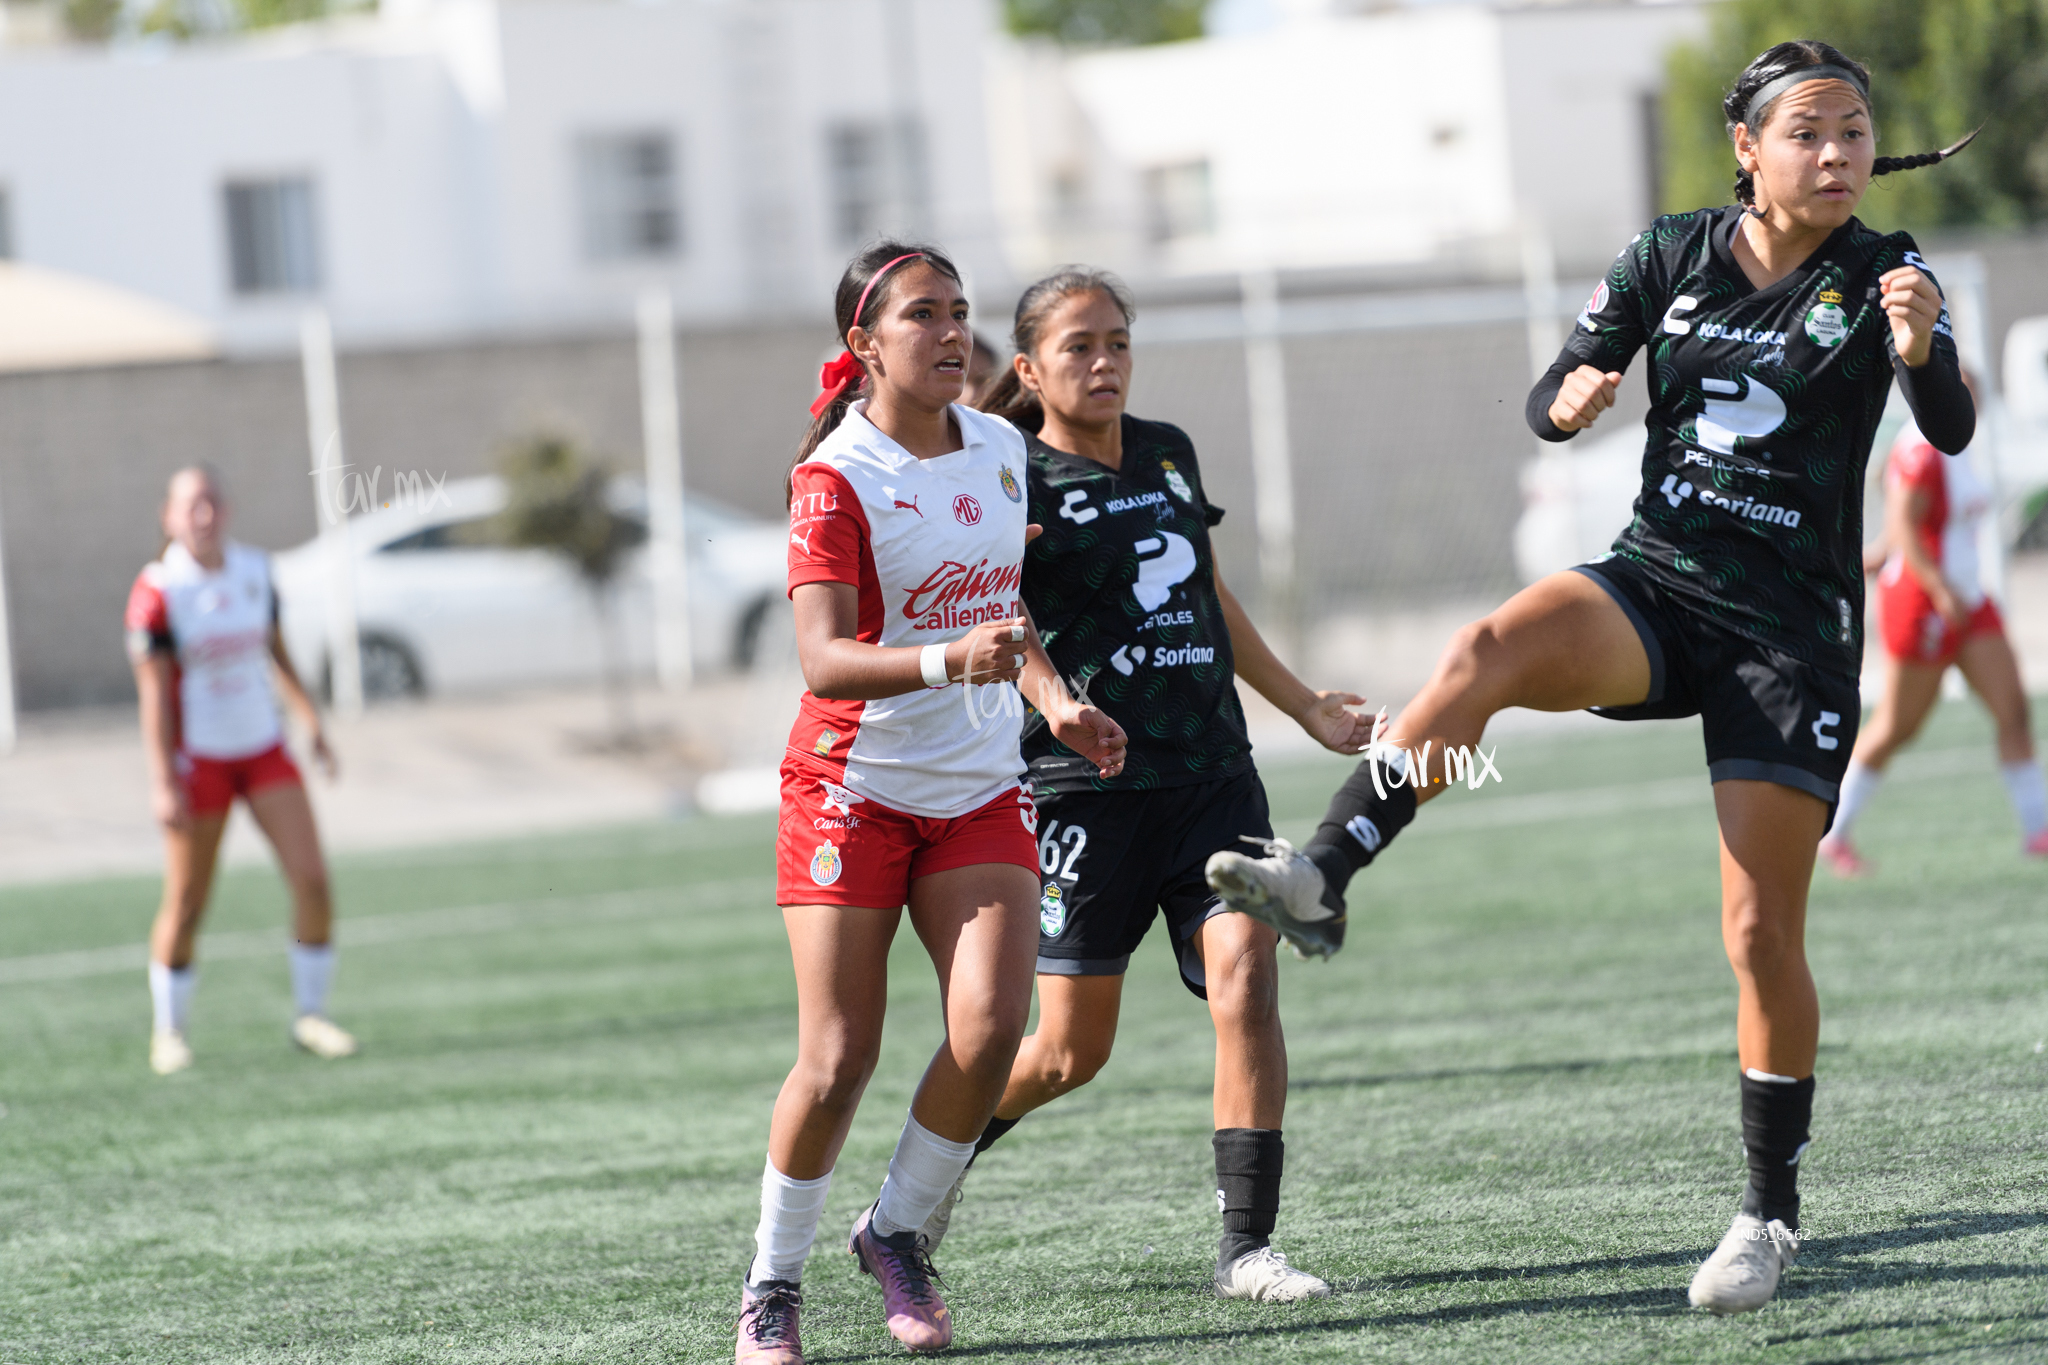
{"x": 838, "y": 848}
{"x": 212, "y": 784}
{"x": 1915, "y": 633}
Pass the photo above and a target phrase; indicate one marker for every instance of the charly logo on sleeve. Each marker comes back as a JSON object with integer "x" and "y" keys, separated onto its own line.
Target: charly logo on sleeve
{"x": 1178, "y": 484}
{"x": 1827, "y": 324}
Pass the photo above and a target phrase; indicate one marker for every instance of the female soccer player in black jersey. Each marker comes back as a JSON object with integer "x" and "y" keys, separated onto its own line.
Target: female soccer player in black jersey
{"x": 1775, "y": 330}
{"x": 1124, "y": 589}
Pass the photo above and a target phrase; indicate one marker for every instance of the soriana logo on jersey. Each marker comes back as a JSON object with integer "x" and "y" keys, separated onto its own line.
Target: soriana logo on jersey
{"x": 955, "y": 595}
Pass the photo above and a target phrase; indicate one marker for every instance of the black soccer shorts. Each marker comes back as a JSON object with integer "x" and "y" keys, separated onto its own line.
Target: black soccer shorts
{"x": 1110, "y": 861}
{"x": 1765, "y": 715}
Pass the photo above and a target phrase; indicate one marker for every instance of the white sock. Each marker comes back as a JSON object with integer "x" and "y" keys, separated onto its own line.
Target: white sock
{"x": 2029, "y": 793}
{"x": 923, "y": 1169}
{"x": 312, "y": 974}
{"x": 170, "y": 995}
{"x": 790, "y": 1210}
{"x": 1859, "y": 784}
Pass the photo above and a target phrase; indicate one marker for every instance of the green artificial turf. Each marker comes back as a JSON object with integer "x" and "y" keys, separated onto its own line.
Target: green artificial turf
{"x": 1512, "y": 1131}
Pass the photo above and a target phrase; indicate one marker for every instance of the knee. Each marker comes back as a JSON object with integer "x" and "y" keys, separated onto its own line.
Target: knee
{"x": 1244, "y": 988}
{"x": 984, "y": 1047}
{"x": 1758, "y": 941}
{"x": 1070, "y": 1065}
{"x": 833, "y": 1081}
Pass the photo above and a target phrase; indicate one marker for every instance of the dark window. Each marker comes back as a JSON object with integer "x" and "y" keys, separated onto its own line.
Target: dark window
{"x": 876, "y": 169}
{"x": 627, "y": 182}
{"x": 1178, "y": 202}
{"x": 449, "y": 535}
{"x": 273, "y": 241}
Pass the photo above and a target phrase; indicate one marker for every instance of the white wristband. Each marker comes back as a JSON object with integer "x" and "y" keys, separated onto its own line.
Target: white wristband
{"x": 931, "y": 661}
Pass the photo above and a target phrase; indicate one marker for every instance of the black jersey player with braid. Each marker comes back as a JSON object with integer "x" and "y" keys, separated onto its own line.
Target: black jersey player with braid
{"x": 1124, "y": 588}
{"x": 1776, "y": 328}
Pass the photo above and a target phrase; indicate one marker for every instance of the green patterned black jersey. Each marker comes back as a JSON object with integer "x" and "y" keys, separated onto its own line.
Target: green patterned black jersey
{"x": 1122, "y": 587}
{"x": 1763, "y": 407}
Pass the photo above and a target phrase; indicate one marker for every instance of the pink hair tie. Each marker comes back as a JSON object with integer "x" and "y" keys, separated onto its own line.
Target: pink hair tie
{"x": 835, "y": 375}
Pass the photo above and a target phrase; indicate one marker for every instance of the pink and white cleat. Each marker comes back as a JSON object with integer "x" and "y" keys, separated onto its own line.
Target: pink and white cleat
{"x": 768, "y": 1324}
{"x": 917, "y": 1316}
{"x": 1842, "y": 858}
{"x": 2036, "y": 847}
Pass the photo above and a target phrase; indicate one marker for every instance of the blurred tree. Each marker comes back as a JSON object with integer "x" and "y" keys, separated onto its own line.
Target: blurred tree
{"x": 1107, "y": 21}
{"x": 558, "y": 498}
{"x": 1938, "y": 68}
{"x": 91, "y": 21}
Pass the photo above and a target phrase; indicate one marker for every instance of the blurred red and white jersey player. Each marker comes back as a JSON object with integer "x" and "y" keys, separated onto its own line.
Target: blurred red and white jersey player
{"x": 1933, "y": 612}
{"x": 203, "y": 639}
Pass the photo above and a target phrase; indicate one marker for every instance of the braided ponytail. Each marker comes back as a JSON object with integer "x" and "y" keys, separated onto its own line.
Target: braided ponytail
{"x": 1885, "y": 165}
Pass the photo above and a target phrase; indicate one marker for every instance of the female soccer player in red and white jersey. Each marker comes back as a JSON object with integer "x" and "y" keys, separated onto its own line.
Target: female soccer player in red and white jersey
{"x": 1932, "y": 612}
{"x": 202, "y": 635}
{"x": 901, "y": 781}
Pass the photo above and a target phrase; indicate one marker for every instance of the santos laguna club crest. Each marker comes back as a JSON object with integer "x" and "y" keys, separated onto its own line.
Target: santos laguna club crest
{"x": 826, "y": 864}
{"x": 1176, "y": 482}
{"x": 1052, "y": 911}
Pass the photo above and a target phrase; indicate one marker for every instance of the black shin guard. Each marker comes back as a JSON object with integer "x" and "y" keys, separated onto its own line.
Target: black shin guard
{"x": 1775, "y": 1118}
{"x": 1359, "y": 823}
{"x": 996, "y": 1128}
{"x": 1248, "y": 1187}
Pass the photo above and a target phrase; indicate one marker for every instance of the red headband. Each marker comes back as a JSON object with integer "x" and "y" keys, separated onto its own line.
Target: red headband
{"x": 835, "y": 375}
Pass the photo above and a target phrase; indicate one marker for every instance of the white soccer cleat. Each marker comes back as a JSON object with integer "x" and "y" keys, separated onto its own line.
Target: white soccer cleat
{"x": 168, "y": 1053}
{"x": 322, "y": 1037}
{"x": 1283, "y": 889}
{"x": 1264, "y": 1275}
{"x": 1742, "y": 1274}
{"x": 934, "y": 1230}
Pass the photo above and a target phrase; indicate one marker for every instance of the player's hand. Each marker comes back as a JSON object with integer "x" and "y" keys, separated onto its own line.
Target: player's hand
{"x": 992, "y": 652}
{"x": 167, "y": 803}
{"x": 1913, "y": 304}
{"x": 1033, "y": 532}
{"x": 1331, "y": 725}
{"x": 1091, "y": 734}
{"x": 1949, "y": 605}
{"x": 1586, "y": 393}
{"x": 324, "y": 756}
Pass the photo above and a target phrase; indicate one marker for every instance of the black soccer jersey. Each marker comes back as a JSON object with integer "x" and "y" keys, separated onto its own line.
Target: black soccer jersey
{"x": 1763, "y": 407}
{"x": 1122, "y": 587}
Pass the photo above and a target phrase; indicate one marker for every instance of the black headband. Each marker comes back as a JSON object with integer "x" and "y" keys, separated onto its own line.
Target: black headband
{"x": 1774, "y": 88}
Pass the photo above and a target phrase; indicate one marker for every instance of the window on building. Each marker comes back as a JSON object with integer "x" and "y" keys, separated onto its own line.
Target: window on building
{"x": 1178, "y": 201}
{"x": 6, "y": 225}
{"x": 627, "y": 185}
{"x": 273, "y": 237}
{"x": 877, "y": 171}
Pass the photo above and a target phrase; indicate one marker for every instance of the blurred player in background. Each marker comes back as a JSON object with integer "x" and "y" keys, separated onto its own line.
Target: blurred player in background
{"x": 1125, "y": 587}
{"x": 1932, "y": 612}
{"x": 985, "y": 369}
{"x": 1776, "y": 328}
{"x": 900, "y": 783}
{"x": 203, "y": 637}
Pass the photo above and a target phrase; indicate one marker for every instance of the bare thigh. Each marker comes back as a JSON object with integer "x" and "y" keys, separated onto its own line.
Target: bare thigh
{"x": 1993, "y": 673}
{"x": 285, "y": 815}
{"x": 190, "y": 855}
{"x": 1910, "y": 691}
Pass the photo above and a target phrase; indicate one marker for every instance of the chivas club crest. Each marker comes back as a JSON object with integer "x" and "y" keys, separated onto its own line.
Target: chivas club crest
{"x": 826, "y": 864}
{"x": 1010, "y": 488}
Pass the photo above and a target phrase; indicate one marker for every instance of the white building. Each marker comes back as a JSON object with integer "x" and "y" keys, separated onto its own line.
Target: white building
{"x": 454, "y": 168}
{"x": 1417, "y": 140}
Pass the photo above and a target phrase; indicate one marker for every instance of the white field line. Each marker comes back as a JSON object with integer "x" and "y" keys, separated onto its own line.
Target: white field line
{"x": 453, "y": 922}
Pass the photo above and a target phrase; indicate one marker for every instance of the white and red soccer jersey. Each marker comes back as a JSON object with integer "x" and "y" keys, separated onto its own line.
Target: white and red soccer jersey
{"x": 935, "y": 548}
{"x": 1956, "y": 504}
{"x": 216, "y": 626}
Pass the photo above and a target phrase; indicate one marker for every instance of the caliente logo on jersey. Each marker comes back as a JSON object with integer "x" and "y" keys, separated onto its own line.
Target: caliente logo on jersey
{"x": 938, "y": 599}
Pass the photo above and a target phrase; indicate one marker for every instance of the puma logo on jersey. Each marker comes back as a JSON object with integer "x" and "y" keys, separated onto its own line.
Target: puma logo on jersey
{"x": 1074, "y": 500}
{"x": 1171, "y": 564}
{"x": 912, "y": 506}
{"x": 802, "y": 542}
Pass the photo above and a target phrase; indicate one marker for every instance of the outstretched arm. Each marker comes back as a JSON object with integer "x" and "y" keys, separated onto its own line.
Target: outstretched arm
{"x": 1321, "y": 714}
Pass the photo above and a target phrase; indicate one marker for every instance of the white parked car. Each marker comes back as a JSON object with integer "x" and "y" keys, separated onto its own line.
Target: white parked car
{"x": 439, "y": 608}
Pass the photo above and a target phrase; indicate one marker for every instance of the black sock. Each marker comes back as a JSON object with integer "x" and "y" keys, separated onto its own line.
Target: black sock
{"x": 996, "y": 1128}
{"x": 1359, "y": 823}
{"x": 1775, "y": 1117}
{"x": 1248, "y": 1164}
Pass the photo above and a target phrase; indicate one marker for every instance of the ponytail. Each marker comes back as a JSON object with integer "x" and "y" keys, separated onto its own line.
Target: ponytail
{"x": 1885, "y": 165}
{"x": 856, "y": 303}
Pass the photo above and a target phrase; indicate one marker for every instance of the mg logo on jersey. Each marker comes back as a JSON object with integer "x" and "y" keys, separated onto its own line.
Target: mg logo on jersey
{"x": 966, "y": 510}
